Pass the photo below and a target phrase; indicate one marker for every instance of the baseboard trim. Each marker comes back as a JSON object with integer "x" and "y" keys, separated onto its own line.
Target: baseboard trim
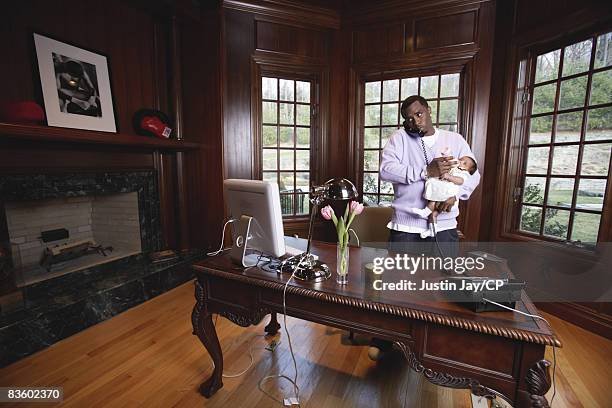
{"x": 582, "y": 316}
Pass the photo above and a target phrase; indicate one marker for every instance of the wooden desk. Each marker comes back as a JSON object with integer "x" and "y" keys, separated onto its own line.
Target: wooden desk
{"x": 491, "y": 354}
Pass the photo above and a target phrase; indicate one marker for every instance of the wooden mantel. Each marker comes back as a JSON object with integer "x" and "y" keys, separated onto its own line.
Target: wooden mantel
{"x": 57, "y": 134}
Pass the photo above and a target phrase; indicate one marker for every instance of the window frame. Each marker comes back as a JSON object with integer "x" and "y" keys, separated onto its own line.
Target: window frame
{"x": 303, "y": 72}
{"x": 518, "y": 122}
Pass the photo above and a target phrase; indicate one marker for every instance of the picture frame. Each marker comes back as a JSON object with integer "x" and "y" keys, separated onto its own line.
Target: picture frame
{"x": 76, "y": 86}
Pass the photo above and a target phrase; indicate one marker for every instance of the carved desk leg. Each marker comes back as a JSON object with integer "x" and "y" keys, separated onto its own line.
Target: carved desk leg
{"x": 538, "y": 384}
{"x": 272, "y": 327}
{"x": 204, "y": 328}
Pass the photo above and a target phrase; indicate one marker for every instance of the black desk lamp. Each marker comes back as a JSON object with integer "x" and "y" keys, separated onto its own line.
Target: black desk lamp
{"x": 311, "y": 269}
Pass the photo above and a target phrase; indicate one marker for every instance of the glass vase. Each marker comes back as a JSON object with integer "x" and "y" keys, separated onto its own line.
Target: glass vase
{"x": 342, "y": 264}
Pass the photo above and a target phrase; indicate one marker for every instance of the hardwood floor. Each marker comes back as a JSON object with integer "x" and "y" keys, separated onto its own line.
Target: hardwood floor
{"x": 147, "y": 356}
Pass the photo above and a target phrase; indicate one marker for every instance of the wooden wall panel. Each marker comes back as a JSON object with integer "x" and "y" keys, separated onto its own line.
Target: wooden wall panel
{"x": 239, "y": 46}
{"x": 290, "y": 40}
{"x": 443, "y": 31}
{"x": 113, "y": 28}
{"x": 382, "y": 41}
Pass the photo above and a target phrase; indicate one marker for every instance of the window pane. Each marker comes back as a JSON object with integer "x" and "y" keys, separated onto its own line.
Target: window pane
{"x": 370, "y": 182}
{"x": 560, "y": 192}
{"x": 586, "y": 227}
{"x": 372, "y": 115}
{"x": 371, "y": 137}
{"x": 269, "y": 112}
{"x": 603, "y": 53}
{"x": 410, "y": 86}
{"x": 372, "y": 92}
{"x": 302, "y": 182}
{"x": 390, "y": 114}
{"x": 449, "y": 85}
{"x": 286, "y": 159}
{"x": 370, "y": 200}
{"x": 269, "y": 159}
{"x": 565, "y": 159}
{"x": 286, "y": 136}
{"x": 286, "y": 113}
{"x": 286, "y": 90}
{"x": 595, "y": 159}
{"x": 391, "y": 90}
{"x": 286, "y": 181}
{"x": 302, "y": 159}
{"x": 540, "y": 129}
{"x": 287, "y": 203}
{"x": 537, "y": 160}
{"x": 599, "y": 124}
{"x": 303, "y": 115}
{"x": 569, "y": 126}
{"x": 386, "y": 187}
{"x": 591, "y": 194}
{"x": 601, "y": 87}
{"x": 370, "y": 160}
{"x": 302, "y": 91}
{"x": 547, "y": 66}
{"x": 530, "y": 219}
{"x": 429, "y": 87}
{"x": 448, "y": 111}
{"x": 386, "y": 133}
{"x": 452, "y": 128}
{"x": 572, "y": 93}
{"x": 434, "y": 111}
{"x": 270, "y": 176}
{"x": 385, "y": 200}
{"x": 303, "y": 137}
{"x": 302, "y": 204}
{"x": 556, "y": 223}
{"x": 533, "y": 192}
{"x": 268, "y": 88}
{"x": 577, "y": 58}
{"x": 544, "y": 98}
{"x": 269, "y": 136}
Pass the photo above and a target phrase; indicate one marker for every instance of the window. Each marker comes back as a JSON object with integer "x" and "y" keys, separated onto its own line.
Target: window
{"x": 382, "y": 117}
{"x": 568, "y": 141}
{"x": 286, "y": 133}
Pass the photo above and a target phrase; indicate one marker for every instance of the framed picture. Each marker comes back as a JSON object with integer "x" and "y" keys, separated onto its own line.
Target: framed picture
{"x": 75, "y": 86}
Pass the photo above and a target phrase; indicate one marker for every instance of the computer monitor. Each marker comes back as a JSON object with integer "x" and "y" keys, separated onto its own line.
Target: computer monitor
{"x": 255, "y": 205}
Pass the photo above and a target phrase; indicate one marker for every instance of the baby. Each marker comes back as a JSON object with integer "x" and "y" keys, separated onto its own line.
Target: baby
{"x": 441, "y": 189}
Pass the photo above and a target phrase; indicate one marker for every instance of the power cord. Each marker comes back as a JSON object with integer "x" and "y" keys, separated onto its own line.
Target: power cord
{"x": 553, "y": 348}
{"x": 221, "y": 249}
{"x": 296, "y": 388}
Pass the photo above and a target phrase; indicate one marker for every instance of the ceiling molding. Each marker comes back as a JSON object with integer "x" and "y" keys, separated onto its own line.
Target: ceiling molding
{"x": 288, "y": 11}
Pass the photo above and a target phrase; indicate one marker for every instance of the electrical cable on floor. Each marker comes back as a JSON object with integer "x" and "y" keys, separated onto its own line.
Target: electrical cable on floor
{"x": 296, "y": 388}
{"x": 221, "y": 249}
{"x": 553, "y": 347}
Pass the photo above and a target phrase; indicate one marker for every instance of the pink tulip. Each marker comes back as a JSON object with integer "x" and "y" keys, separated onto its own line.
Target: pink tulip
{"x": 327, "y": 212}
{"x": 356, "y": 207}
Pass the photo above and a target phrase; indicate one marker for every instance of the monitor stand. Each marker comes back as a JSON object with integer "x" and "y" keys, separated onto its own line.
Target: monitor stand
{"x": 239, "y": 244}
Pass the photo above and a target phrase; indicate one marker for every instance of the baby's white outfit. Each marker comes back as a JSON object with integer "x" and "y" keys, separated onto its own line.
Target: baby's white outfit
{"x": 441, "y": 190}
{"x": 437, "y": 189}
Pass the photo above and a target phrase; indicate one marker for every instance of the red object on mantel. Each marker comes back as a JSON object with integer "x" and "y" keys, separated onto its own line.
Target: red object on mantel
{"x": 25, "y": 112}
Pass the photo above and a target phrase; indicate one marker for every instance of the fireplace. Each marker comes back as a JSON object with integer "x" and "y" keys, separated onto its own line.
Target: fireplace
{"x": 89, "y": 231}
{"x": 116, "y": 209}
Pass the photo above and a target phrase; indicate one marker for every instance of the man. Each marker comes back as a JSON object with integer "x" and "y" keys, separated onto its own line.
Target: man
{"x": 413, "y": 154}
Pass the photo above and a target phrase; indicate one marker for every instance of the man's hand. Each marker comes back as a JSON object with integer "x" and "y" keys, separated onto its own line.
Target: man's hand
{"x": 439, "y": 166}
{"x": 446, "y": 206}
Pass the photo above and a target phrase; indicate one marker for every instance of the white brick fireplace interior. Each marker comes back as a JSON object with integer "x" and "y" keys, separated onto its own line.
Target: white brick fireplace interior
{"x": 107, "y": 220}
